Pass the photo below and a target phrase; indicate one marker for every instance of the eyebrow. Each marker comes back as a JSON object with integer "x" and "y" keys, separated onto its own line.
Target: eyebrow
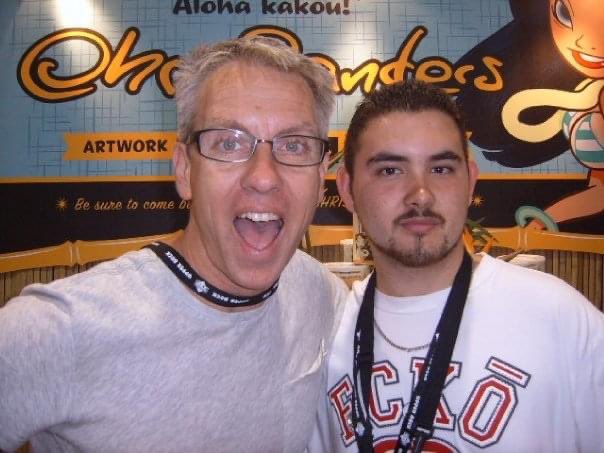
{"x": 304, "y": 127}
{"x": 446, "y": 155}
{"x": 387, "y": 156}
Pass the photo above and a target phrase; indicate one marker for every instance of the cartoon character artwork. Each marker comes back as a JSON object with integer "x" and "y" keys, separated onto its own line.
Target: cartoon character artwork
{"x": 552, "y": 101}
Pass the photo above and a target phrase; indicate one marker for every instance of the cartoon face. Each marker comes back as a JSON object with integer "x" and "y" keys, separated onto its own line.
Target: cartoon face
{"x": 578, "y": 31}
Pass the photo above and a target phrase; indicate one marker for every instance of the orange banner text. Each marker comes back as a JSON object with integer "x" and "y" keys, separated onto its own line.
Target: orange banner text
{"x": 119, "y": 145}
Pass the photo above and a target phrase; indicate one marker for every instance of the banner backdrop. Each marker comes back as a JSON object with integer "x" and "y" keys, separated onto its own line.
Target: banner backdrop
{"x": 88, "y": 122}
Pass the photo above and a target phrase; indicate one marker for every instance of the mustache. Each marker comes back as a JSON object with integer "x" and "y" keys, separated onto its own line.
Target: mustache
{"x": 413, "y": 213}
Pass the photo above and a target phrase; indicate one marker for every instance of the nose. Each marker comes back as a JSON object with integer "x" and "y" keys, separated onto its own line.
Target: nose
{"x": 419, "y": 195}
{"x": 582, "y": 43}
{"x": 262, "y": 172}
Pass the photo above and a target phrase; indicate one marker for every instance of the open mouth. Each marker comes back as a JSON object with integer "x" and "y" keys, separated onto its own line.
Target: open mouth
{"x": 589, "y": 61}
{"x": 258, "y": 229}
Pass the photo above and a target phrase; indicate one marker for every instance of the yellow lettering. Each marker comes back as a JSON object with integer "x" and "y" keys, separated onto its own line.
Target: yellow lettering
{"x": 35, "y": 72}
{"x": 164, "y": 77}
{"x": 482, "y": 82}
{"x": 82, "y": 205}
{"x": 108, "y": 206}
{"x": 460, "y": 73}
{"x": 351, "y": 79}
{"x": 396, "y": 70}
{"x": 122, "y": 64}
{"x": 279, "y": 33}
{"x": 159, "y": 205}
{"x": 434, "y": 70}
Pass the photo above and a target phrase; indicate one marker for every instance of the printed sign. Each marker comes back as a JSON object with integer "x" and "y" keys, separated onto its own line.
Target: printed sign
{"x": 88, "y": 120}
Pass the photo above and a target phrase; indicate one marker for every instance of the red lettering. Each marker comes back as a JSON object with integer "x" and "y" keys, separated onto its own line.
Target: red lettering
{"x": 340, "y": 398}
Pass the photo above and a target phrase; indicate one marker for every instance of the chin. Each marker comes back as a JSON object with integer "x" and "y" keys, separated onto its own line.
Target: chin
{"x": 258, "y": 279}
{"x": 258, "y": 270}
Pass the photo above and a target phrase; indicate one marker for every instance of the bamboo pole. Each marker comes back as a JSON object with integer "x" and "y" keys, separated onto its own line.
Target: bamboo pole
{"x": 78, "y": 252}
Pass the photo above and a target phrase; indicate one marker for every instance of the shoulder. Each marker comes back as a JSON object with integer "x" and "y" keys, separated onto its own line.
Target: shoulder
{"x": 307, "y": 274}
{"x": 303, "y": 264}
{"x": 349, "y": 308}
{"x": 529, "y": 290}
{"x": 131, "y": 267}
{"x": 307, "y": 285}
{"x": 496, "y": 273}
{"x": 78, "y": 294}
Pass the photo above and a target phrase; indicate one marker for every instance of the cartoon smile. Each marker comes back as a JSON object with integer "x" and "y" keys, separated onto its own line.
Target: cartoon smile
{"x": 589, "y": 61}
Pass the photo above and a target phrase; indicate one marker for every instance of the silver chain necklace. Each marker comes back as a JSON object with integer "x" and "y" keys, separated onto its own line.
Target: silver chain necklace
{"x": 398, "y": 346}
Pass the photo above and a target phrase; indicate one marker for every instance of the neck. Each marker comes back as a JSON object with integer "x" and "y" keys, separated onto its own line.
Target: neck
{"x": 183, "y": 246}
{"x": 399, "y": 280}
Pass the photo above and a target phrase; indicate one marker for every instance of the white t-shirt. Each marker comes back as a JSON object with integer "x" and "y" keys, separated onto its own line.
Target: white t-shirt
{"x": 526, "y": 375}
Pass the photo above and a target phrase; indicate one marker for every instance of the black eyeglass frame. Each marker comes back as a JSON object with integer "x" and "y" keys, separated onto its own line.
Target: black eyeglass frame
{"x": 193, "y": 138}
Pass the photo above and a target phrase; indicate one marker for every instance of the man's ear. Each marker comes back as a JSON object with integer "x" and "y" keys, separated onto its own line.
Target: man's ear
{"x": 473, "y": 172}
{"x": 182, "y": 170}
{"x": 344, "y": 183}
{"x": 323, "y": 167}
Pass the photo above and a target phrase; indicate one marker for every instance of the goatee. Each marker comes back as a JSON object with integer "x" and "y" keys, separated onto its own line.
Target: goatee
{"x": 419, "y": 256}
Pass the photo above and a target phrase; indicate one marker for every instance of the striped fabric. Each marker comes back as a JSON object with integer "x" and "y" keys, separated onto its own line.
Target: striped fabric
{"x": 585, "y": 145}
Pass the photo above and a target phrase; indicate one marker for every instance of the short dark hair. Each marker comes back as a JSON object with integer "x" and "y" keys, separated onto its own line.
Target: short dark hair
{"x": 407, "y": 96}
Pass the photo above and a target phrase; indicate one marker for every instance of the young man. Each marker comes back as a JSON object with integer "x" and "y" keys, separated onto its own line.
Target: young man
{"x": 526, "y": 373}
{"x": 217, "y": 341}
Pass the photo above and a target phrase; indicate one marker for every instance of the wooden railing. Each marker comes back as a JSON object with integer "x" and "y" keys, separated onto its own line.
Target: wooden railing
{"x": 584, "y": 271}
{"x": 576, "y": 259}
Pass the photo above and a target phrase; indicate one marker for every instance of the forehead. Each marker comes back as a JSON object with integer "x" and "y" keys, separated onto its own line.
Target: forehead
{"x": 411, "y": 134}
{"x": 255, "y": 96}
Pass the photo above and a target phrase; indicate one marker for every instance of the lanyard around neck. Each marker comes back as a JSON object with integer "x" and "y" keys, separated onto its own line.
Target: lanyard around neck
{"x": 419, "y": 420}
{"x": 179, "y": 267}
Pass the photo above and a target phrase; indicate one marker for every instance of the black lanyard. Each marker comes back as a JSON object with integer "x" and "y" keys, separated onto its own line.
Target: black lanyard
{"x": 418, "y": 423}
{"x": 179, "y": 267}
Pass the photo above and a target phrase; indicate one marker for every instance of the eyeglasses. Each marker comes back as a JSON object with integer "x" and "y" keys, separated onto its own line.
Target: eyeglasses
{"x": 232, "y": 145}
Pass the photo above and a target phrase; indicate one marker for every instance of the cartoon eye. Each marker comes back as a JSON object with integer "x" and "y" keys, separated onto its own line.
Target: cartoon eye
{"x": 562, "y": 14}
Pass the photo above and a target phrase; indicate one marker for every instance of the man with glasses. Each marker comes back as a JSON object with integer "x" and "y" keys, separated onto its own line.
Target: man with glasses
{"x": 214, "y": 342}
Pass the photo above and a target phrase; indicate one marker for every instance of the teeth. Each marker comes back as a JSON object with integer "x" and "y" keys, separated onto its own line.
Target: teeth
{"x": 259, "y": 216}
{"x": 591, "y": 58}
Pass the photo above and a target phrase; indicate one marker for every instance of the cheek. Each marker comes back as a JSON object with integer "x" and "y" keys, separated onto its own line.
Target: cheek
{"x": 377, "y": 205}
{"x": 458, "y": 207}
{"x": 302, "y": 193}
{"x": 563, "y": 38}
{"x": 212, "y": 192}
{"x": 596, "y": 74}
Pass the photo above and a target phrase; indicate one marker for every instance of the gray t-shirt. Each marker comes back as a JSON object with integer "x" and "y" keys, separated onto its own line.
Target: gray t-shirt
{"x": 123, "y": 358}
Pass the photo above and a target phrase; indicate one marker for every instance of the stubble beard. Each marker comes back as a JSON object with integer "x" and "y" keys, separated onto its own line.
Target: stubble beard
{"x": 417, "y": 256}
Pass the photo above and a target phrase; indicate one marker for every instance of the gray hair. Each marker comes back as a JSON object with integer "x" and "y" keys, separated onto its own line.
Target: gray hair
{"x": 200, "y": 63}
